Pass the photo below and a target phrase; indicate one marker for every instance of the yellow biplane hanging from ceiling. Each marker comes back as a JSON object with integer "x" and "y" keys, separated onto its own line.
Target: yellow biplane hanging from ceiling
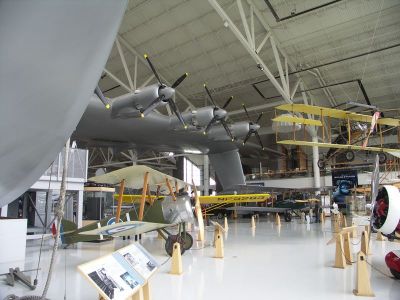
{"x": 355, "y": 129}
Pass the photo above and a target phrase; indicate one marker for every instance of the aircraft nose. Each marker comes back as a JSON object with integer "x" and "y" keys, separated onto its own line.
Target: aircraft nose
{"x": 220, "y": 113}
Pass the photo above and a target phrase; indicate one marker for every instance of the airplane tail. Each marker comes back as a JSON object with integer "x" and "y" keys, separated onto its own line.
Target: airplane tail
{"x": 69, "y": 233}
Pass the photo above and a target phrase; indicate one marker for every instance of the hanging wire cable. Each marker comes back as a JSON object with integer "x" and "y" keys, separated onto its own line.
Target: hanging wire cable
{"x": 370, "y": 46}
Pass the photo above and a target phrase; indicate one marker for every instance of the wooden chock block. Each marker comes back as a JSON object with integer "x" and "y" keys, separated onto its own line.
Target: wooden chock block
{"x": 253, "y": 223}
{"x": 380, "y": 237}
{"x": 277, "y": 219}
{"x": 226, "y": 223}
{"x": 363, "y": 282}
{"x": 219, "y": 244}
{"x": 176, "y": 265}
{"x": 340, "y": 260}
{"x": 365, "y": 243}
{"x": 347, "y": 248}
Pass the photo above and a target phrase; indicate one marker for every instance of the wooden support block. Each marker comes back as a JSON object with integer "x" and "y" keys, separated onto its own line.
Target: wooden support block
{"x": 277, "y": 219}
{"x": 363, "y": 283}
{"x": 347, "y": 248}
{"x": 226, "y": 223}
{"x": 365, "y": 242}
{"x": 253, "y": 223}
{"x": 176, "y": 265}
{"x": 340, "y": 260}
{"x": 219, "y": 244}
{"x": 380, "y": 237}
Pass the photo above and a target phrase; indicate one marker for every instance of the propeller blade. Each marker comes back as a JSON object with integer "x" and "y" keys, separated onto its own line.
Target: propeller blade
{"x": 259, "y": 139}
{"x": 210, "y": 124}
{"x": 227, "y": 102}
{"x": 228, "y": 131}
{"x": 209, "y": 95}
{"x": 102, "y": 98}
{"x": 247, "y": 137}
{"x": 153, "y": 69}
{"x": 247, "y": 114}
{"x": 179, "y": 80}
{"x": 259, "y": 117}
{"x": 177, "y": 112}
{"x": 152, "y": 106}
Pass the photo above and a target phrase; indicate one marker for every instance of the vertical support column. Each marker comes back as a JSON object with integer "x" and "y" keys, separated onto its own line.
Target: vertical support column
{"x": 4, "y": 210}
{"x": 79, "y": 211}
{"x": 317, "y": 176}
{"x": 206, "y": 175}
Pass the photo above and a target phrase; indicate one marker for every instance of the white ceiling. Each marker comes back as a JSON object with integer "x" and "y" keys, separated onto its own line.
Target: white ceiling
{"x": 189, "y": 36}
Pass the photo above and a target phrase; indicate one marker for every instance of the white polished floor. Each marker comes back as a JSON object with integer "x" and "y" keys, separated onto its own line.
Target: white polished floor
{"x": 292, "y": 262}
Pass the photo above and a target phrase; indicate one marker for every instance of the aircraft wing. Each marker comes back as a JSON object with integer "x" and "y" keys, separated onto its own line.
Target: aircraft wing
{"x": 260, "y": 209}
{"x": 125, "y": 228}
{"x": 219, "y": 199}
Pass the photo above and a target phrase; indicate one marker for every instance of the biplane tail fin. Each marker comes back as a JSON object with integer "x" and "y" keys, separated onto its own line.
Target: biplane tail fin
{"x": 69, "y": 233}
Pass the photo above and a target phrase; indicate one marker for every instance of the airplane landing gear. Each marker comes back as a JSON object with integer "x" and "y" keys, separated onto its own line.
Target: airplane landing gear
{"x": 288, "y": 217}
{"x": 185, "y": 240}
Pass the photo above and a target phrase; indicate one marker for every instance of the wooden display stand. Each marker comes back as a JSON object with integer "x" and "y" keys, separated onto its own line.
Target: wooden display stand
{"x": 176, "y": 265}
{"x": 365, "y": 243}
{"x": 277, "y": 220}
{"x": 380, "y": 237}
{"x": 363, "y": 283}
{"x": 142, "y": 294}
{"x": 343, "y": 250}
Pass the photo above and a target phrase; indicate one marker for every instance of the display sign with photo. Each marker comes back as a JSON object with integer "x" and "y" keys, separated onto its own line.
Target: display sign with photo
{"x": 111, "y": 278}
{"x": 136, "y": 257}
{"x": 343, "y": 181}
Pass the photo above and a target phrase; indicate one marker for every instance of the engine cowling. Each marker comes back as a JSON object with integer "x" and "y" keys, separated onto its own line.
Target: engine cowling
{"x": 386, "y": 211}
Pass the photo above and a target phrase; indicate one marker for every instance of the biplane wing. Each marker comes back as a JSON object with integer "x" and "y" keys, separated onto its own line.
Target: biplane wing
{"x": 244, "y": 198}
{"x": 335, "y": 113}
{"x": 338, "y": 146}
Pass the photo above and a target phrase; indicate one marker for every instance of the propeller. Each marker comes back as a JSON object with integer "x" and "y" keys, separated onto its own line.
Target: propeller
{"x": 102, "y": 98}
{"x": 253, "y": 127}
{"x": 165, "y": 94}
{"x": 219, "y": 115}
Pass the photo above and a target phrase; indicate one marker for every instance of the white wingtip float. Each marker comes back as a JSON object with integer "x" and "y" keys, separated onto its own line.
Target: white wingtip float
{"x": 49, "y": 68}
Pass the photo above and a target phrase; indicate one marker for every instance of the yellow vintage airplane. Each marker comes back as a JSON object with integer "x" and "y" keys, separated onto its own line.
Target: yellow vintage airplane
{"x": 323, "y": 119}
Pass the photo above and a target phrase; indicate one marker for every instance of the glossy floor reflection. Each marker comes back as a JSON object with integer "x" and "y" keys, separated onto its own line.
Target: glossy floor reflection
{"x": 290, "y": 262}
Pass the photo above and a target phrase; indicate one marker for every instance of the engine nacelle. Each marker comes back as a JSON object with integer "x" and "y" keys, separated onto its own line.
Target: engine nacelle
{"x": 386, "y": 211}
{"x": 203, "y": 116}
{"x": 129, "y": 105}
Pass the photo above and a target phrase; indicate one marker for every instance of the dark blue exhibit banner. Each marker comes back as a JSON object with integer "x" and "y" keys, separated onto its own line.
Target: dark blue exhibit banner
{"x": 343, "y": 181}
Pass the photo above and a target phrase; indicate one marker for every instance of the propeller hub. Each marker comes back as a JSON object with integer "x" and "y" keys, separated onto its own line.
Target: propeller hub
{"x": 254, "y": 127}
{"x": 220, "y": 113}
{"x": 167, "y": 92}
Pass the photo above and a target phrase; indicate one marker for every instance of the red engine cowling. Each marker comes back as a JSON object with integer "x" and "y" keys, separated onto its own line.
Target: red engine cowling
{"x": 392, "y": 260}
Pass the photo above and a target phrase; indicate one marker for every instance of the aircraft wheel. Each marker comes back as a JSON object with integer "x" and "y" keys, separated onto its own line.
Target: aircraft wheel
{"x": 382, "y": 157}
{"x": 395, "y": 273}
{"x": 321, "y": 163}
{"x": 187, "y": 241}
{"x": 171, "y": 240}
{"x": 349, "y": 155}
{"x": 220, "y": 216}
{"x": 288, "y": 217}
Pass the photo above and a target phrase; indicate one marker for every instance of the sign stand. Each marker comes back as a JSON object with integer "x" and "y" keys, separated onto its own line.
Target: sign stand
{"x": 340, "y": 260}
{"x": 347, "y": 248}
{"x": 226, "y": 224}
{"x": 365, "y": 243}
{"x": 218, "y": 240}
